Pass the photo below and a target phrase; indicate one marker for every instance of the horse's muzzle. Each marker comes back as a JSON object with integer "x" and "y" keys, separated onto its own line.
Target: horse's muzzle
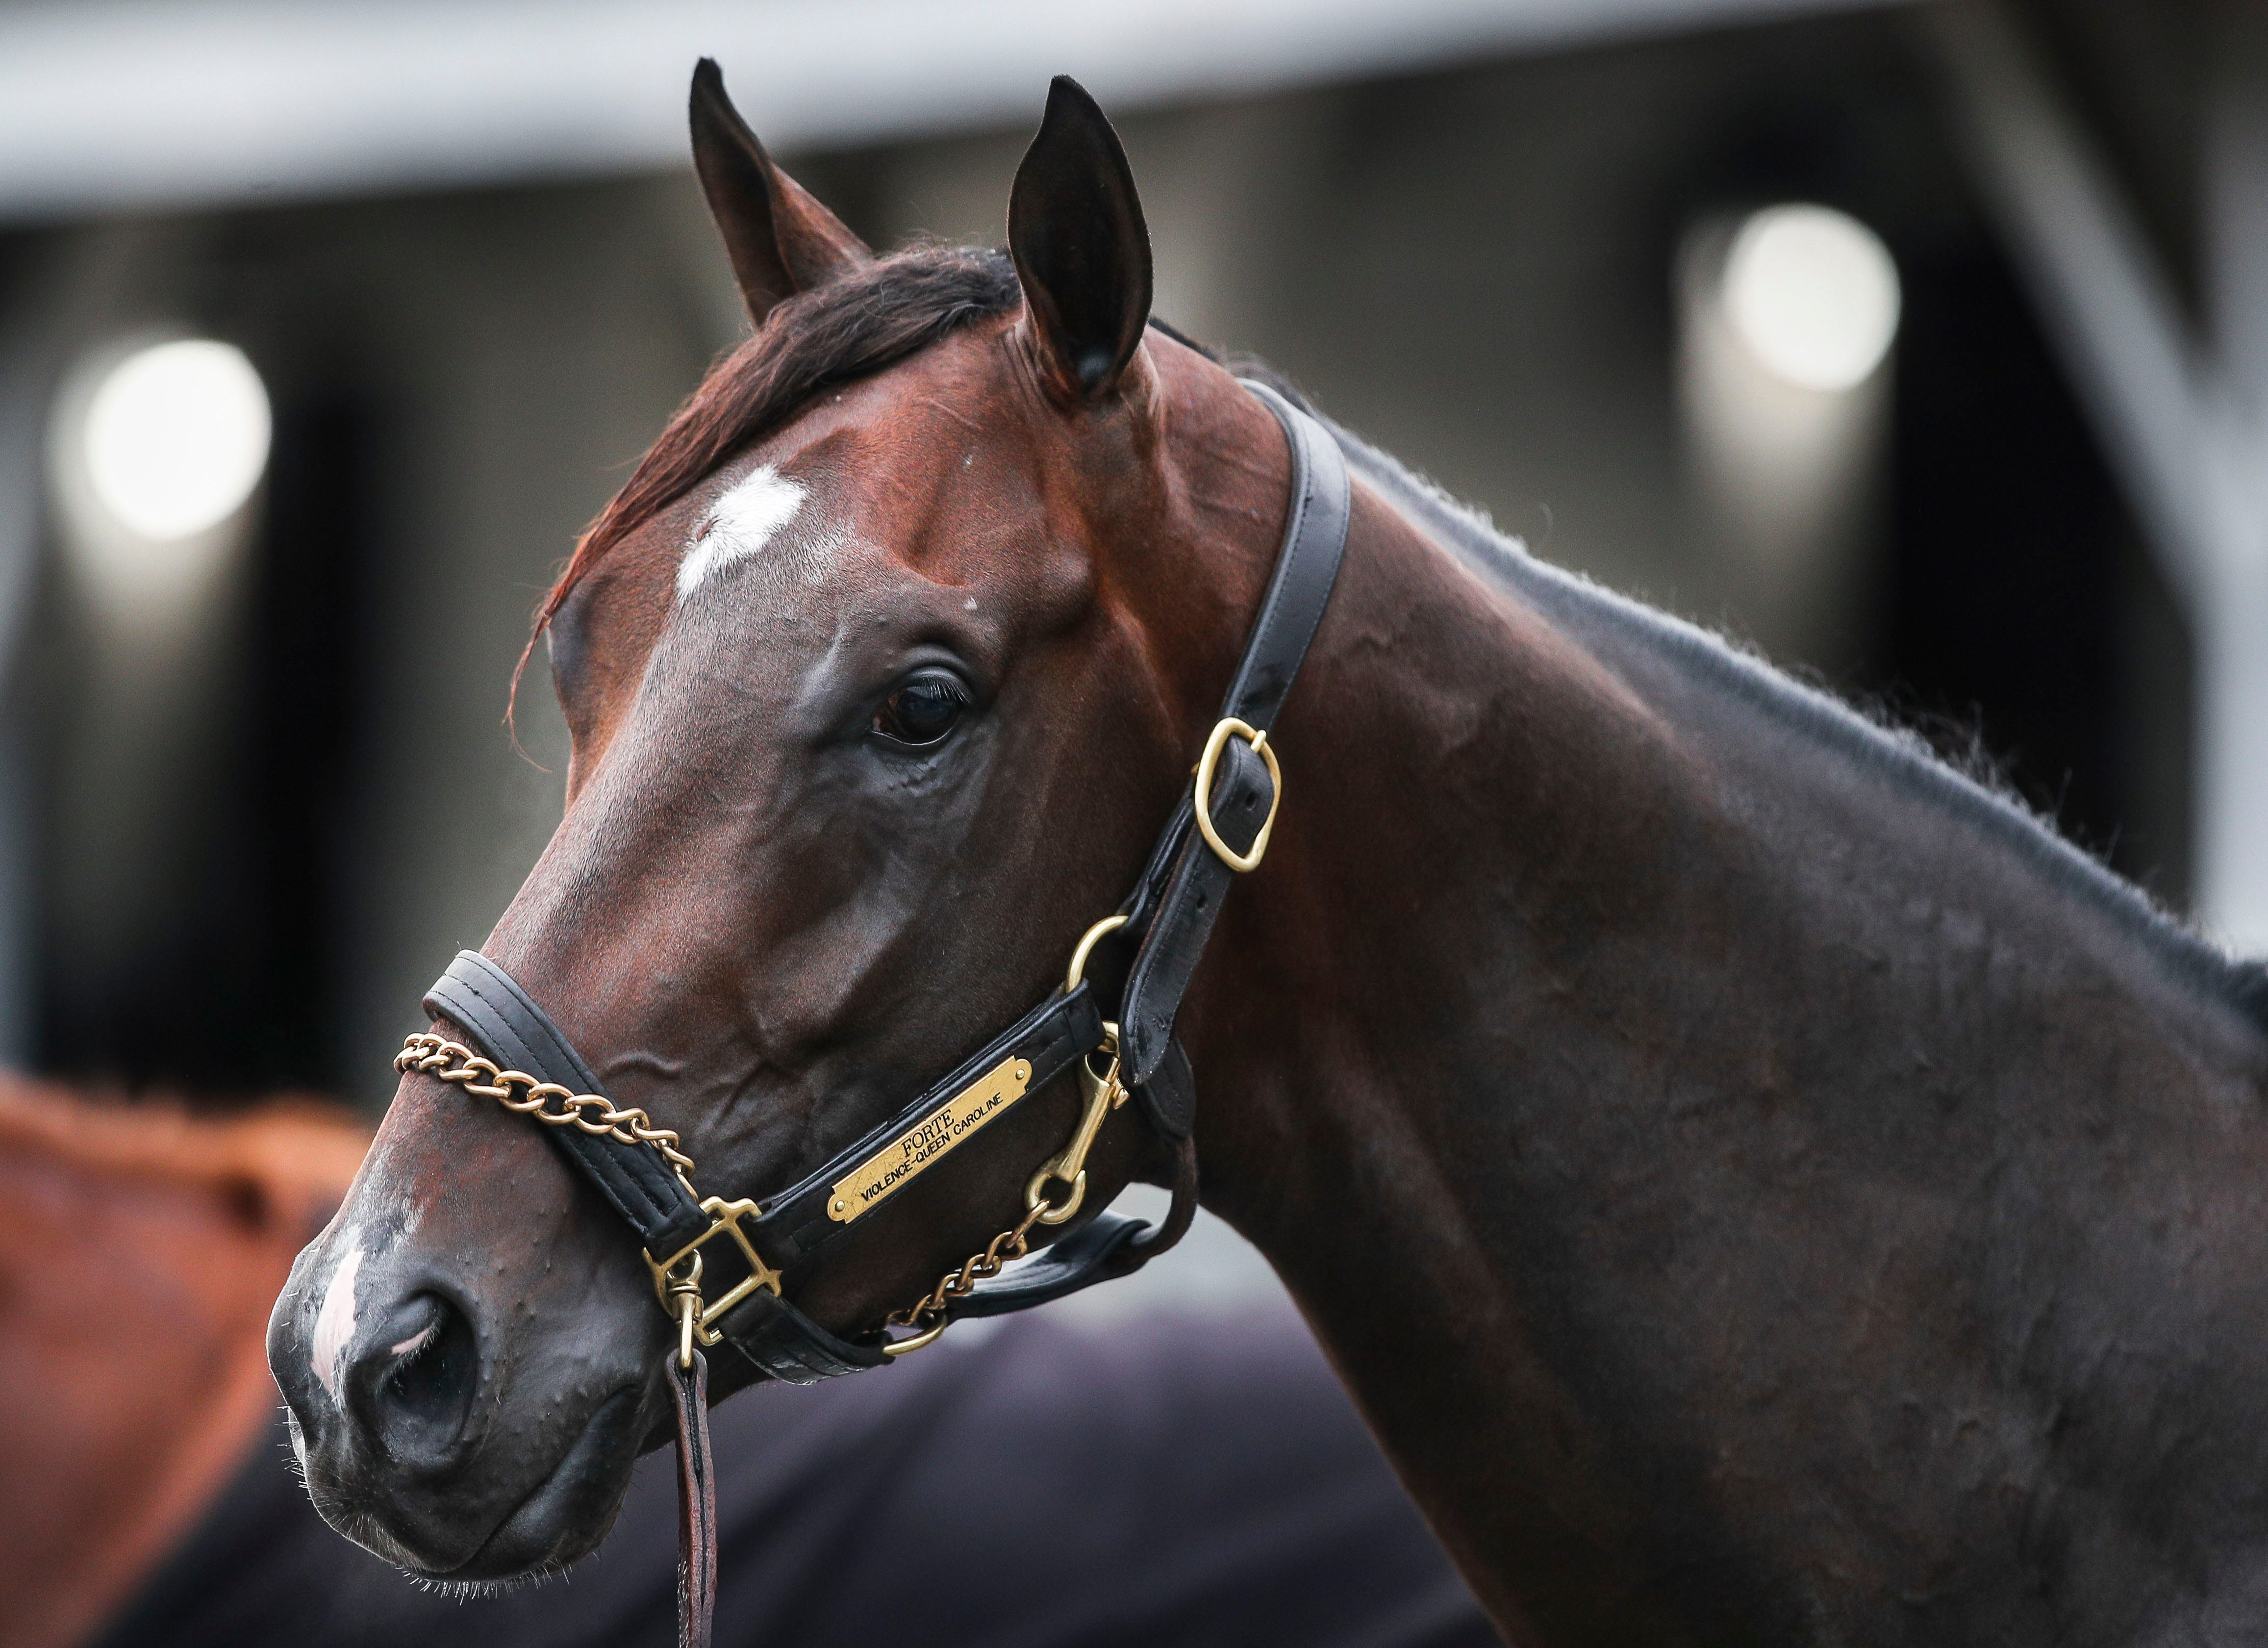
{"x": 405, "y": 1449}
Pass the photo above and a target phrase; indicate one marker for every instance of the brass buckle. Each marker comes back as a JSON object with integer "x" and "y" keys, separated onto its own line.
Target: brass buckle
{"x": 723, "y": 1216}
{"x": 1224, "y": 730}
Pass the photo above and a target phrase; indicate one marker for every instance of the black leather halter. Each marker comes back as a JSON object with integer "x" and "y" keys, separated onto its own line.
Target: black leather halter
{"x": 1140, "y": 965}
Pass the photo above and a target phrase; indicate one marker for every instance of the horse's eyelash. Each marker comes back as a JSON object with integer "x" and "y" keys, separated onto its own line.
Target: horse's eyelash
{"x": 951, "y": 683}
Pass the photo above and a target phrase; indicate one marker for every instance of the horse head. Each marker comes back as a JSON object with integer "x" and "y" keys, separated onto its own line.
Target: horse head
{"x": 882, "y": 674}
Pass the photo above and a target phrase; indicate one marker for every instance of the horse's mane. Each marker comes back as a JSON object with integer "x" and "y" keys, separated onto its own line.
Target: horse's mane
{"x": 1579, "y": 604}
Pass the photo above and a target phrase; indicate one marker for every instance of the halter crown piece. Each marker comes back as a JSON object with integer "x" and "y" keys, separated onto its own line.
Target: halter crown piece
{"x": 1112, "y": 1023}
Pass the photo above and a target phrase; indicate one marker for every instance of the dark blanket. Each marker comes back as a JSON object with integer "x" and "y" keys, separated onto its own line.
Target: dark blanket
{"x": 1187, "y": 1480}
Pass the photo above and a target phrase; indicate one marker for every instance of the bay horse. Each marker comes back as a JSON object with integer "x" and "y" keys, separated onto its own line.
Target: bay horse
{"x": 1760, "y": 1185}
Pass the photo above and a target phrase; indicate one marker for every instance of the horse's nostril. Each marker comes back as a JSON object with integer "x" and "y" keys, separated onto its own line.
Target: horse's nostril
{"x": 433, "y": 1367}
{"x": 413, "y": 1380}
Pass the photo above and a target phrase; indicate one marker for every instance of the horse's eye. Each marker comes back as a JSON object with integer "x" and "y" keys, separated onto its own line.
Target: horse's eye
{"x": 925, "y": 708}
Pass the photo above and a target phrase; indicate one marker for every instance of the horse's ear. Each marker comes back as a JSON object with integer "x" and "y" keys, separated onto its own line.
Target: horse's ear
{"x": 1082, "y": 250}
{"x": 780, "y": 240}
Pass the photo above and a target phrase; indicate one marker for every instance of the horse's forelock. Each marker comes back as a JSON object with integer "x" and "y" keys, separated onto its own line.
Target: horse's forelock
{"x": 846, "y": 330}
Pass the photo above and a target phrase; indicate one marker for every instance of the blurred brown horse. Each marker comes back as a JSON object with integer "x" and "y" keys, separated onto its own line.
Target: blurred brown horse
{"x": 140, "y": 1252}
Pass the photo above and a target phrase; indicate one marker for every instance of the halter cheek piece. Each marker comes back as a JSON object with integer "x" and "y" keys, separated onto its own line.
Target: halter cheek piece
{"x": 1140, "y": 961}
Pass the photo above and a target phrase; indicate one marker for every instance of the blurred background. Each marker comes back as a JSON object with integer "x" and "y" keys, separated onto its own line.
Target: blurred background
{"x": 1923, "y": 347}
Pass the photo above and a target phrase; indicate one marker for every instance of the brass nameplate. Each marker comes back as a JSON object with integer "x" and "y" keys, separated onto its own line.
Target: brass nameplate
{"x": 931, "y": 1139}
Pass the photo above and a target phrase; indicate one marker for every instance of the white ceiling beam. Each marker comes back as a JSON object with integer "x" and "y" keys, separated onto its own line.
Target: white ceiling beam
{"x": 2186, "y": 446}
{"x": 115, "y": 106}
{"x": 2107, "y": 303}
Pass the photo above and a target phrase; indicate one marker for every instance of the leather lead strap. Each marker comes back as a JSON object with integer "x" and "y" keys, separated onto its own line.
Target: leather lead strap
{"x": 696, "y": 1504}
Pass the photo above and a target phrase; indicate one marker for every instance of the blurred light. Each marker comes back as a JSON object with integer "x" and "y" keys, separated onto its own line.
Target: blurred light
{"x": 1814, "y": 293}
{"x": 175, "y": 437}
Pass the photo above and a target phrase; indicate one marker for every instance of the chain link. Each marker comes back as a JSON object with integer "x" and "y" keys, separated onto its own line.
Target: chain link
{"x": 1007, "y": 1246}
{"x": 453, "y": 1062}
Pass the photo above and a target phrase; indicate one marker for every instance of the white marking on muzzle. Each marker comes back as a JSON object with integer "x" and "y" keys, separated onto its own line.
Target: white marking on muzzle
{"x": 740, "y": 524}
{"x": 335, "y": 1324}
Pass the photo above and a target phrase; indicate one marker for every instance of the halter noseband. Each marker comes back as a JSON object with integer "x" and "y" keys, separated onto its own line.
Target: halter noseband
{"x": 1141, "y": 960}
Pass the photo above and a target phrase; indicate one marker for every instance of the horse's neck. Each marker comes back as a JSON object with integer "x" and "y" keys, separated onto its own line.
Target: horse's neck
{"x": 1653, "y": 1087}
{"x": 141, "y": 1253}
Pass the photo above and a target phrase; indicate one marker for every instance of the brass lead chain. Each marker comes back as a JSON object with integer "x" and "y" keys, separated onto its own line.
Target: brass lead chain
{"x": 1104, "y": 1093}
{"x": 928, "y": 1313}
{"x": 455, "y": 1062}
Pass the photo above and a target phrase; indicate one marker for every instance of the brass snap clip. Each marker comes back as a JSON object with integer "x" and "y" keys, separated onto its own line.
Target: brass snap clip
{"x": 1104, "y": 1093}
{"x": 686, "y": 1294}
{"x": 1224, "y": 730}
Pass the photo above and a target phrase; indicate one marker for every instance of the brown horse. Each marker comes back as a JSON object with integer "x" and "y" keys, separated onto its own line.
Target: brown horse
{"x": 140, "y": 1249}
{"x": 1761, "y": 1186}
